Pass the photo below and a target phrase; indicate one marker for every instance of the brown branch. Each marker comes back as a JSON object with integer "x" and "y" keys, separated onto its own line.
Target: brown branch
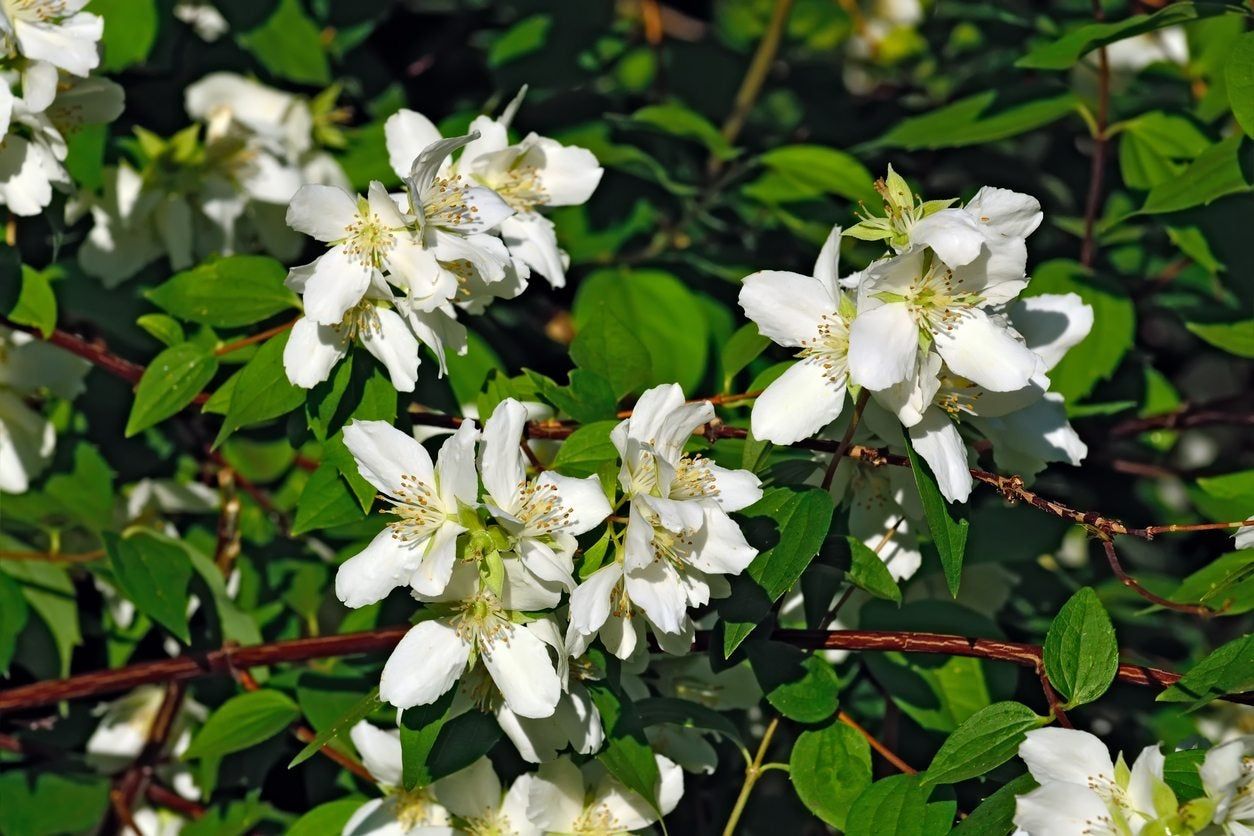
{"x": 227, "y": 547}
{"x": 244, "y": 342}
{"x": 136, "y": 778}
{"x": 1051, "y": 697}
{"x": 888, "y": 754}
{"x": 1093, "y": 203}
{"x": 847, "y": 439}
{"x": 164, "y": 797}
{"x": 1182, "y": 419}
{"x": 1112, "y": 558}
{"x": 224, "y": 660}
{"x": 1187, "y": 527}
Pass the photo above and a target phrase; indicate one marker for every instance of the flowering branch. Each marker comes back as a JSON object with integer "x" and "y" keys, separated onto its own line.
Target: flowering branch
{"x": 227, "y": 659}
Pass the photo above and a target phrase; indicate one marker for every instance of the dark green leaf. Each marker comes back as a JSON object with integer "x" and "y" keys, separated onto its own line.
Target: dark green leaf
{"x": 975, "y": 120}
{"x": 1217, "y": 172}
{"x": 677, "y": 120}
{"x": 1081, "y": 652}
{"x": 896, "y": 805}
{"x": 1228, "y": 670}
{"x": 799, "y": 685}
{"x": 263, "y": 391}
{"x": 984, "y": 741}
{"x": 13, "y": 614}
{"x": 1239, "y": 73}
{"x": 742, "y": 349}
{"x": 53, "y": 801}
{"x": 1070, "y": 48}
{"x": 49, "y": 591}
{"x": 171, "y": 381}
{"x": 829, "y": 768}
{"x": 948, "y": 528}
{"x": 686, "y": 714}
{"x": 586, "y": 450}
{"x": 627, "y": 754}
{"x": 243, "y": 721}
{"x": 995, "y": 815}
{"x": 364, "y": 707}
{"x": 326, "y": 501}
{"x": 326, "y": 818}
{"x": 36, "y": 304}
{"x": 868, "y": 572}
{"x": 289, "y": 45}
{"x": 153, "y": 573}
{"x": 228, "y": 293}
{"x": 607, "y": 347}
{"x": 1233, "y": 337}
{"x": 1180, "y": 773}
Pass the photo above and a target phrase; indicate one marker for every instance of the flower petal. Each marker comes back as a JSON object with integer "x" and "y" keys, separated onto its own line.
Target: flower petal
{"x": 1068, "y": 756}
{"x": 533, "y": 238}
{"x": 590, "y": 602}
{"x": 407, "y": 134}
{"x": 583, "y": 498}
{"x": 369, "y": 575}
{"x": 985, "y": 352}
{"x": 1052, "y": 324}
{"x": 521, "y": 668}
{"x": 827, "y": 267}
{"x": 380, "y": 752}
{"x": 787, "y": 307}
{"x": 338, "y": 282}
{"x": 556, "y": 800}
{"x": 455, "y": 467}
{"x": 568, "y": 174}
{"x": 937, "y": 440}
{"x": 473, "y": 792}
{"x": 721, "y": 547}
{"x": 798, "y": 403}
{"x": 384, "y": 454}
{"x": 1006, "y": 213}
{"x": 656, "y": 589}
{"x": 432, "y": 576}
{"x": 395, "y": 346}
{"x": 501, "y": 456}
{"x": 1061, "y": 810}
{"x": 428, "y": 661}
{"x": 883, "y": 346}
{"x": 321, "y": 212}
{"x": 953, "y": 234}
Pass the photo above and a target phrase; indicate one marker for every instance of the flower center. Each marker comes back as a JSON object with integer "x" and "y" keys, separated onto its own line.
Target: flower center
{"x": 415, "y": 506}
{"x": 412, "y": 808}
{"x": 368, "y": 239}
{"x": 937, "y": 300}
{"x": 493, "y": 823}
{"x": 671, "y": 546}
{"x": 36, "y": 10}
{"x": 694, "y": 479}
{"x": 597, "y": 821}
{"x": 957, "y": 395}
{"x": 446, "y": 203}
{"x": 541, "y": 509}
{"x": 521, "y": 187}
{"x": 361, "y": 321}
{"x": 829, "y": 347}
{"x": 481, "y": 621}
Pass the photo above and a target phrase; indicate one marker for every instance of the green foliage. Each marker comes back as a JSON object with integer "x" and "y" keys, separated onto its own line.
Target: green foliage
{"x": 829, "y": 768}
{"x": 947, "y": 527}
{"x": 228, "y": 293}
{"x": 984, "y": 741}
{"x": 243, "y": 721}
{"x": 172, "y": 381}
{"x": 153, "y": 573}
{"x": 627, "y": 754}
{"x": 1081, "y": 652}
{"x": 1229, "y": 669}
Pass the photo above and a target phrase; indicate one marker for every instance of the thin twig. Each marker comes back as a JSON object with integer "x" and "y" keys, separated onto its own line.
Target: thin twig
{"x": 847, "y": 439}
{"x": 227, "y": 348}
{"x": 1051, "y": 697}
{"x": 135, "y": 779}
{"x": 888, "y": 754}
{"x": 224, "y": 660}
{"x": 1093, "y": 203}
{"x": 53, "y": 557}
{"x": 1112, "y": 558}
{"x": 755, "y": 77}
{"x": 752, "y": 773}
{"x": 1181, "y": 419}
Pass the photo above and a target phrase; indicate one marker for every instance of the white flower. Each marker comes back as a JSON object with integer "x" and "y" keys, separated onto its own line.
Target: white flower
{"x": 541, "y": 516}
{"x": 206, "y": 21}
{"x": 1082, "y": 791}
{"x": 1228, "y": 779}
{"x": 366, "y": 236}
{"x": 679, "y": 537}
{"x": 419, "y": 548}
{"x": 150, "y": 822}
{"x": 57, "y": 32}
{"x": 474, "y": 795}
{"x": 398, "y": 813}
{"x": 565, "y": 800}
{"x": 915, "y": 300}
{"x": 1244, "y": 538}
{"x": 124, "y": 729}
{"x": 811, "y": 314}
{"x": 575, "y": 722}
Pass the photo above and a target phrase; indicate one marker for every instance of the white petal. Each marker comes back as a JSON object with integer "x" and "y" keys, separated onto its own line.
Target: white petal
{"x": 1223, "y": 765}
{"x": 1006, "y": 213}
{"x": 521, "y": 668}
{"x": 426, "y": 663}
{"x": 472, "y": 793}
{"x": 395, "y": 346}
{"x": 311, "y": 352}
{"x": 590, "y": 602}
{"x": 670, "y": 784}
{"x": 384, "y": 454}
{"x": 514, "y": 819}
{"x": 338, "y": 282}
{"x": 455, "y": 467}
{"x": 380, "y": 752}
{"x": 622, "y": 635}
{"x": 1065, "y": 755}
{"x": 493, "y": 137}
{"x": 736, "y": 488}
{"x": 1147, "y": 770}
{"x": 321, "y": 212}
{"x": 407, "y": 134}
{"x": 952, "y": 233}
{"x": 584, "y": 498}
{"x": 433, "y": 573}
{"x": 650, "y": 411}
{"x": 984, "y": 352}
{"x": 533, "y": 238}
{"x": 721, "y": 547}
{"x": 70, "y": 44}
{"x": 827, "y": 267}
{"x": 937, "y": 440}
{"x": 39, "y": 88}
{"x": 798, "y": 403}
{"x": 377, "y": 817}
{"x": 1062, "y": 810}
{"x": 656, "y": 589}
{"x": 544, "y": 563}
{"x": 883, "y": 346}
{"x": 1041, "y": 430}
{"x": 568, "y": 174}
{"x": 1052, "y": 324}
{"x": 372, "y": 573}
{"x": 25, "y": 186}
{"x": 555, "y": 802}
{"x": 501, "y": 456}
{"x": 786, "y": 307}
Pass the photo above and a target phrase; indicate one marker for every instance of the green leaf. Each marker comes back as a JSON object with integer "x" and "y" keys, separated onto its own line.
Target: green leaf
{"x": 661, "y": 311}
{"x": 1239, "y": 73}
{"x": 745, "y": 345}
{"x": 1217, "y": 172}
{"x": 36, "y": 304}
{"x": 677, "y": 120}
{"x": 1180, "y": 773}
{"x": 799, "y": 685}
{"x": 172, "y": 380}
{"x": 49, "y": 591}
{"x": 364, "y": 707}
{"x": 1226, "y": 497}
{"x": 1070, "y": 48}
{"x": 435, "y": 742}
{"x": 995, "y": 815}
{"x": 523, "y": 38}
{"x": 1081, "y": 652}
{"x": 87, "y": 490}
{"x": 868, "y": 572}
{"x": 799, "y": 520}
{"x": 162, "y": 327}
{"x": 685, "y": 714}
{"x": 1233, "y": 337}
{"x": 326, "y": 501}
{"x": 948, "y": 530}
{"x": 263, "y": 391}
{"x": 13, "y": 615}
{"x": 896, "y": 805}
{"x": 243, "y": 721}
{"x": 607, "y": 347}
{"x": 984, "y": 741}
{"x": 51, "y": 801}
{"x": 1155, "y": 147}
{"x": 804, "y": 172}
{"x": 326, "y": 818}
{"x": 130, "y": 30}
{"x": 627, "y": 754}
{"x": 153, "y": 573}
{"x": 829, "y": 768}
{"x": 1097, "y": 356}
{"x": 586, "y": 449}
{"x": 976, "y": 120}
{"x": 289, "y": 45}
{"x": 1228, "y": 670}
{"x": 1226, "y": 585}
{"x": 230, "y": 292}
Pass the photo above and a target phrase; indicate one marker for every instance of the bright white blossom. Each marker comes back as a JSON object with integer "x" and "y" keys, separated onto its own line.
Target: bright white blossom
{"x": 480, "y": 806}
{"x": 1228, "y": 781}
{"x": 398, "y": 812}
{"x": 590, "y": 802}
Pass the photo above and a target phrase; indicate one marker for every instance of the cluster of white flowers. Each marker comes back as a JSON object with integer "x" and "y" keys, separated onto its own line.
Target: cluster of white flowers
{"x": 219, "y": 186}
{"x": 492, "y": 566}
{"x": 49, "y": 47}
{"x": 934, "y": 330}
{"x": 559, "y": 797}
{"x": 467, "y": 231}
{"x": 1082, "y": 791}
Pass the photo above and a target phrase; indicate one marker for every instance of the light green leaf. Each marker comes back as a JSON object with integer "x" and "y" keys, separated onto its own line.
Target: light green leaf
{"x": 897, "y": 805}
{"x": 436, "y": 742}
{"x": 1081, "y": 652}
{"x": 51, "y": 801}
{"x": 523, "y": 38}
{"x": 868, "y": 572}
{"x": 1226, "y": 584}
{"x": 948, "y": 529}
{"x": 976, "y": 120}
{"x": 227, "y": 293}
{"x": 1233, "y": 337}
{"x": 162, "y": 327}
{"x": 326, "y": 501}
{"x": 829, "y": 768}
{"x": 799, "y": 685}
{"x": 804, "y": 172}
{"x": 130, "y": 30}
{"x": 1239, "y": 73}
{"x": 13, "y": 615}
{"x": 241, "y": 722}
{"x": 154, "y": 574}
{"x": 1228, "y": 670}
{"x": 586, "y": 450}
{"x": 326, "y": 818}
{"x": 364, "y": 707}
{"x": 984, "y": 741}
{"x": 290, "y": 45}
{"x": 1217, "y": 172}
{"x": 263, "y": 391}
{"x": 36, "y": 304}
{"x": 172, "y": 380}
{"x": 607, "y": 347}
{"x": 677, "y": 120}
{"x": 1070, "y": 48}
{"x": 49, "y": 591}
{"x": 742, "y": 349}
